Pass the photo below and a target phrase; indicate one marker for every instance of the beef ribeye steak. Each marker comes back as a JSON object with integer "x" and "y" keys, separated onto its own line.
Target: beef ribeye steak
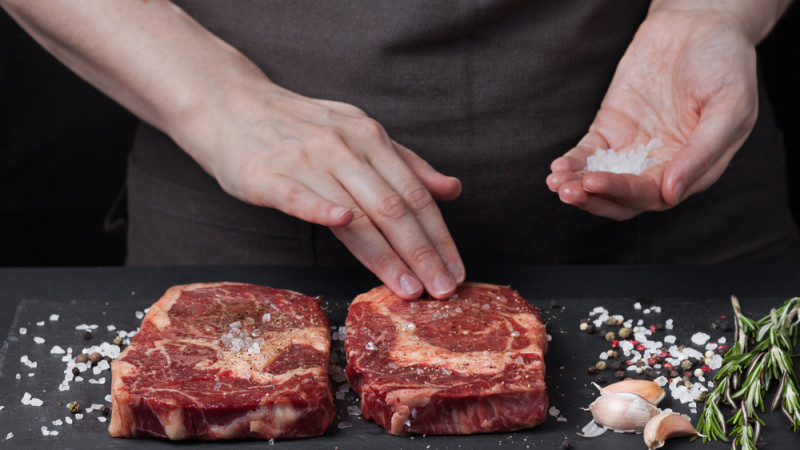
{"x": 469, "y": 364}
{"x": 225, "y": 361}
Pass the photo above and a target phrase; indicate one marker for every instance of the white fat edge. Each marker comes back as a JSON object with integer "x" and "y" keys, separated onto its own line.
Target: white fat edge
{"x": 173, "y": 424}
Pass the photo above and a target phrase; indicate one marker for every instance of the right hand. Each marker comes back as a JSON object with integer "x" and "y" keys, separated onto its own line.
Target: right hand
{"x": 328, "y": 163}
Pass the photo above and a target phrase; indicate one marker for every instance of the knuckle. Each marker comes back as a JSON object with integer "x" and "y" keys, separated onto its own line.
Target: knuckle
{"x": 369, "y": 128}
{"x": 419, "y": 198}
{"x": 392, "y": 207}
{"x": 384, "y": 262}
{"x": 422, "y": 254}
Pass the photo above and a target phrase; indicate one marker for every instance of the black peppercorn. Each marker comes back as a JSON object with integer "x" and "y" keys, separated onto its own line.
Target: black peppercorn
{"x": 724, "y": 326}
{"x": 600, "y": 379}
{"x": 591, "y": 328}
{"x": 659, "y": 326}
{"x": 616, "y": 365}
{"x": 566, "y": 444}
{"x": 87, "y": 334}
{"x": 591, "y": 370}
{"x": 104, "y": 410}
{"x": 75, "y": 371}
{"x": 620, "y": 374}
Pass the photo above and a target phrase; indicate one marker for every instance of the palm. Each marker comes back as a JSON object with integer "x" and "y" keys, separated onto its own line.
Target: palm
{"x": 687, "y": 79}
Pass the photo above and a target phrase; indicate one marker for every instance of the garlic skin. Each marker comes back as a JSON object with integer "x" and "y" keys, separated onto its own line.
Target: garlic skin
{"x": 622, "y": 411}
{"x": 648, "y": 390}
{"x": 667, "y": 425}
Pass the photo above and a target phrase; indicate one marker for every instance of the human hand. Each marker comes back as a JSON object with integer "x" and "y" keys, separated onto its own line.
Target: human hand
{"x": 328, "y": 163}
{"x": 689, "y": 79}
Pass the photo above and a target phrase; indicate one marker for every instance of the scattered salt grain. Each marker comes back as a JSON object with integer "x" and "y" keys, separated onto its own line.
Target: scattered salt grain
{"x": 40, "y": 323}
{"x": 78, "y": 416}
{"x": 108, "y": 398}
{"x": 68, "y": 420}
{"x": 38, "y": 340}
{"x": 637, "y": 305}
{"x": 23, "y": 331}
{"x": 9, "y": 435}
{"x": 700, "y": 338}
{"x": 266, "y": 317}
{"x": 345, "y": 424}
{"x": 271, "y": 441}
{"x": 24, "y": 360}
{"x": 97, "y": 381}
{"x": 18, "y": 376}
{"x": 101, "y": 418}
{"x": 669, "y": 339}
{"x": 370, "y": 346}
{"x": 58, "y": 422}
{"x": 668, "y": 324}
{"x": 56, "y": 350}
{"x": 2, "y": 407}
{"x": 354, "y": 410}
{"x": 54, "y": 317}
{"x": 515, "y": 334}
{"x": 561, "y": 419}
{"x": 111, "y": 328}
{"x": 553, "y": 411}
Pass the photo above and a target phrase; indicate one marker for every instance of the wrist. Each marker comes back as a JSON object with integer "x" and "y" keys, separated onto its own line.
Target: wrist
{"x": 754, "y": 19}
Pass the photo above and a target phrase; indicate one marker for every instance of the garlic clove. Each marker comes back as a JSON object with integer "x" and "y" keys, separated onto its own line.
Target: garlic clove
{"x": 648, "y": 390}
{"x": 667, "y": 425}
{"x": 622, "y": 411}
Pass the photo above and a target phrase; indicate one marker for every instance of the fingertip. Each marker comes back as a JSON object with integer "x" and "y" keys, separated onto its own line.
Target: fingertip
{"x": 340, "y": 216}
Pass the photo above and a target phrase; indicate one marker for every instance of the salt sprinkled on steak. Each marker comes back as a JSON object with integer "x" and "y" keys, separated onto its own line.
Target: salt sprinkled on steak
{"x": 469, "y": 364}
{"x": 205, "y": 364}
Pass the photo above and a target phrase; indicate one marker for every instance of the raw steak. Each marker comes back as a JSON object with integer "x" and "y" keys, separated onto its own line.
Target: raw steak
{"x": 225, "y": 361}
{"x": 469, "y": 364}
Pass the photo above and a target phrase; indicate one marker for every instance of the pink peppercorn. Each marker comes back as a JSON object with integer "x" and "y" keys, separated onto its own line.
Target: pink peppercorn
{"x": 706, "y": 369}
{"x": 640, "y": 347}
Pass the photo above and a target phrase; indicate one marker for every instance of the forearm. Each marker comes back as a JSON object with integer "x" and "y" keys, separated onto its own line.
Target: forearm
{"x": 149, "y": 56}
{"x": 754, "y": 17}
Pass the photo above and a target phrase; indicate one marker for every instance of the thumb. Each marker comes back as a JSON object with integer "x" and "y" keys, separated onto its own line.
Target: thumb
{"x": 705, "y": 156}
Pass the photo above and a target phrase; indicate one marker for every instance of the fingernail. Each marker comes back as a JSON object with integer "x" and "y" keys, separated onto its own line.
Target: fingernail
{"x": 456, "y": 271}
{"x": 679, "y": 191}
{"x": 338, "y": 212}
{"x": 410, "y": 284}
{"x": 443, "y": 283}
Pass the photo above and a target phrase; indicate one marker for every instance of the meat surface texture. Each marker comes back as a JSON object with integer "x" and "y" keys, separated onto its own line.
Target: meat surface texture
{"x": 470, "y": 364}
{"x": 225, "y": 361}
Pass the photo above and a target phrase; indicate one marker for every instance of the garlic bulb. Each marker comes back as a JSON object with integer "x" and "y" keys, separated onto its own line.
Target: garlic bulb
{"x": 648, "y": 390}
{"x": 622, "y": 411}
{"x": 664, "y": 426}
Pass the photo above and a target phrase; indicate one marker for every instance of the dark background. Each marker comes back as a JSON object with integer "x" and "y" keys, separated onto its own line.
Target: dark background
{"x": 63, "y": 149}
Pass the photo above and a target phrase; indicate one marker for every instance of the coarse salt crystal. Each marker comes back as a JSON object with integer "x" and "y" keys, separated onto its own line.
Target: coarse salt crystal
{"x": 344, "y": 424}
{"x": 23, "y": 331}
{"x": 101, "y": 418}
{"x": 18, "y": 376}
{"x": 56, "y": 350}
{"x": 266, "y": 317}
{"x": 68, "y": 420}
{"x": 54, "y": 317}
{"x": 24, "y": 360}
{"x": 38, "y": 340}
{"x": 40, "y": 323}
{"x": 108, "y": 398}
{"x": 354, "y": 410}
{"x": 553, "y": 411}
{"x": 700, "y": 338}
{"x": 370, "y": 346}
{"x": 634, "y": 161}
{"x": 637, "y": 305}
{"x": 36, "y": 402}
{"x": 139, "y": 314}
{"x": 97, "y": 381}
{"x": 669, "y": 339}
{"x": 45, "y": 431}
{"x": 58, "y": 422}
{"x": 9, "y": 435}
{"x": 561, "y": 419}
{"x": 668, "y": 324}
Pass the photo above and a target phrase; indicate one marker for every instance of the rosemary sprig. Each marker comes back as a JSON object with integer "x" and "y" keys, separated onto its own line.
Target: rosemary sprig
{"x": 769, "y": 361}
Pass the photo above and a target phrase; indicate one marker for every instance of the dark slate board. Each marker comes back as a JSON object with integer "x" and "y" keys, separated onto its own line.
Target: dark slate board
{"x": 693, "y": 297}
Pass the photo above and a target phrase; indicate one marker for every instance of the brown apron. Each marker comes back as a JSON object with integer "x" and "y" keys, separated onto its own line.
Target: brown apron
{"x": 489, "y": 91}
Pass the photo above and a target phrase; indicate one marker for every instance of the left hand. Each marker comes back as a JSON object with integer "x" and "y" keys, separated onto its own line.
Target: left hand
{"x": 687, "y": 78}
